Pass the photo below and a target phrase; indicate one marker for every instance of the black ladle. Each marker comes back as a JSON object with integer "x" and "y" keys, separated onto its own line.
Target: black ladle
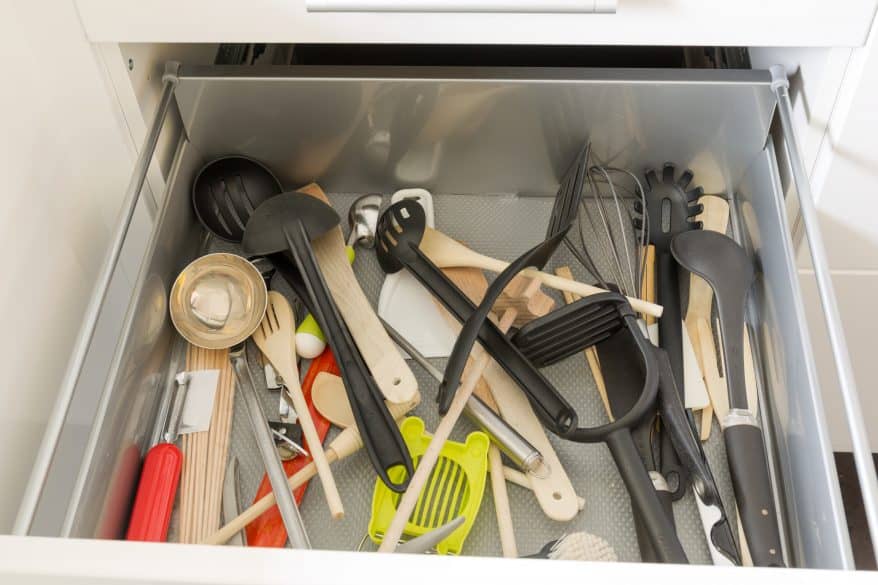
{"x": 288, "y": 222}
{"x": 729, "y": 271}
{"x": 400, "y": 230}
{"x": 225, "y": 194}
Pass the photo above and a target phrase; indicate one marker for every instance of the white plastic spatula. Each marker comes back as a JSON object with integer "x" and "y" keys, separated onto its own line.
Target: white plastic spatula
{"x": 409, "y": 307}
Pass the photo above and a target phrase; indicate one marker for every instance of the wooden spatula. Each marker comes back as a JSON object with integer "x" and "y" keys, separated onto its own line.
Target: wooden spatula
{"x": 276, "y": 339}
{"x": 393, "y": 376}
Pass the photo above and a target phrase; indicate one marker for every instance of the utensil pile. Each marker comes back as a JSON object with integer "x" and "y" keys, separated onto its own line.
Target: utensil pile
{"x": 633, "y": 237}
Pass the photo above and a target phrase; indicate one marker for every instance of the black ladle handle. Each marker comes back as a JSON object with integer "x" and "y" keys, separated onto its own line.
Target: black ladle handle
{"x": 551, "y": 408}
{"x": 644, "y": 498}
{"x": 381, "y": 437}
{"x": 748, "y": 465}
{"x": 644, "y": 540}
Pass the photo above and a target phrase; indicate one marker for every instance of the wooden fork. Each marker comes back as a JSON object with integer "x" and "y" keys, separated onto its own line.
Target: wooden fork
{"x": 275, "y": 337}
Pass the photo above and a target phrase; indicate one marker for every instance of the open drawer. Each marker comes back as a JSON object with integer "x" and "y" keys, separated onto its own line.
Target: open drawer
{"x": 503, "y": 133}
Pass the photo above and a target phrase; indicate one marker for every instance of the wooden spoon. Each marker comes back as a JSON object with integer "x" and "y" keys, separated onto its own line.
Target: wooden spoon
{"x": 445, "y": 252}
{"x": 331, "y": 400}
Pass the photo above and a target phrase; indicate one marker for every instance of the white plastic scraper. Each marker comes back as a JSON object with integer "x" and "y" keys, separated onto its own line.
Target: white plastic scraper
{"x": 409, "y": 307}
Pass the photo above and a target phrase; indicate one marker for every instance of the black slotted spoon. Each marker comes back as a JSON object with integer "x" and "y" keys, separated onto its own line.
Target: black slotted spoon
{"x": 227, "y": 191}
{"x": 400, "y": 230}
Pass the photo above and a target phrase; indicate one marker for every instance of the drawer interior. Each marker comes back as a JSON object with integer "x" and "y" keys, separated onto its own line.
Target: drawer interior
{"x": 492, "y": 145}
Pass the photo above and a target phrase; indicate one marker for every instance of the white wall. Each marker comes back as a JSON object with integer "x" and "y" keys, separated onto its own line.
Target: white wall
{"x": 845, "y": 178}
{"x": 65, "y": 158}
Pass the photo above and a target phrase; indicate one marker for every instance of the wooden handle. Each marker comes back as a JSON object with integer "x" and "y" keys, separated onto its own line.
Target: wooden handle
{"x": 315, "y": 447}
{"x": 518, "y": 478}
{"x": 583, "y": 289}
{"x": 393, "y": 376}
{"x": 501, "y": 505}
{"x": 223, "y": 535}
{"x": 498, "y": 481}
{"x": 428, "y": 460}
{"x": 446, "y": 253}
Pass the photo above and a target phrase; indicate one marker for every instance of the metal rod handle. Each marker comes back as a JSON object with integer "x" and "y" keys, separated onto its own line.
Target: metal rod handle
{"x": 46, "y": 453}
{"x": 847, "y": 384}
{"x": 271, "y": 460}
{"x": 516, "y": 447}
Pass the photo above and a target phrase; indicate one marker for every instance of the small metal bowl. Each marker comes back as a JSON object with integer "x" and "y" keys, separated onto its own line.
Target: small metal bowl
{"x": 218, "y": 300}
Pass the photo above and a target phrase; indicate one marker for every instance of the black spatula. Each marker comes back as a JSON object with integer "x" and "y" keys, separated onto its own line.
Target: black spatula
{"x": 288, "y": 222}
{"x": 729, "y": 271}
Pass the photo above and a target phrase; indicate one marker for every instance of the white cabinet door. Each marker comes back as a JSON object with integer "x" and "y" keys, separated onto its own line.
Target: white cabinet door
{"x": 65, "y": 156}
{"x": 655, "y": 22}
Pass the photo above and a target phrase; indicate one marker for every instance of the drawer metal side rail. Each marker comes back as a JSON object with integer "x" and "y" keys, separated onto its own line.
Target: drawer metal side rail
{"x": 48, "y": 447}
{"x": 847, "y": 384}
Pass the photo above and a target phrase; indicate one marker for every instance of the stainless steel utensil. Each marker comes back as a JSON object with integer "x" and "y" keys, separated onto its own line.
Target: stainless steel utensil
{"x": 516, "y": 447}
{"x": 218, "y": 300}
{"x": 231, "y": 507}
{"x": 363, "y": 220}
{"x": 286, "y": 503}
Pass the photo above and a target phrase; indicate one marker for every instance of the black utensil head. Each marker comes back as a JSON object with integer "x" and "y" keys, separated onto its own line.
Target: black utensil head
{"x": 569, "y": 195}
{"x": 265, "y": 230}
{"x": 400, "y": 227}
{"x": 716, "y": 258}
{"x": 670, "y": 206}
{"x": 570, "y": 329}
{"x": 227, "y": 191}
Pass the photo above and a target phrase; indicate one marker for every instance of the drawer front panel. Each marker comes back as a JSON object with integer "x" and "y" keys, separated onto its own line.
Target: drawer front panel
{"x": 681, "y": 22}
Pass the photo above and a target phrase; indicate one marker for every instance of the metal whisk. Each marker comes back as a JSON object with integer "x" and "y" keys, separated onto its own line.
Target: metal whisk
{"x": 608, "y": 219}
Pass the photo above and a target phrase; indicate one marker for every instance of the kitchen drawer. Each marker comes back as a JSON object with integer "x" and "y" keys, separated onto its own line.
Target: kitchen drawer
{"x": 753, "y": 23}
{"x": 504, "y": 135}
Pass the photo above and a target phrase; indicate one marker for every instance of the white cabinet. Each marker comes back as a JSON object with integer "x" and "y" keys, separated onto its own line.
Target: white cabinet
{"x": 792, "y": 23}
{"x": 66, "y": 157}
